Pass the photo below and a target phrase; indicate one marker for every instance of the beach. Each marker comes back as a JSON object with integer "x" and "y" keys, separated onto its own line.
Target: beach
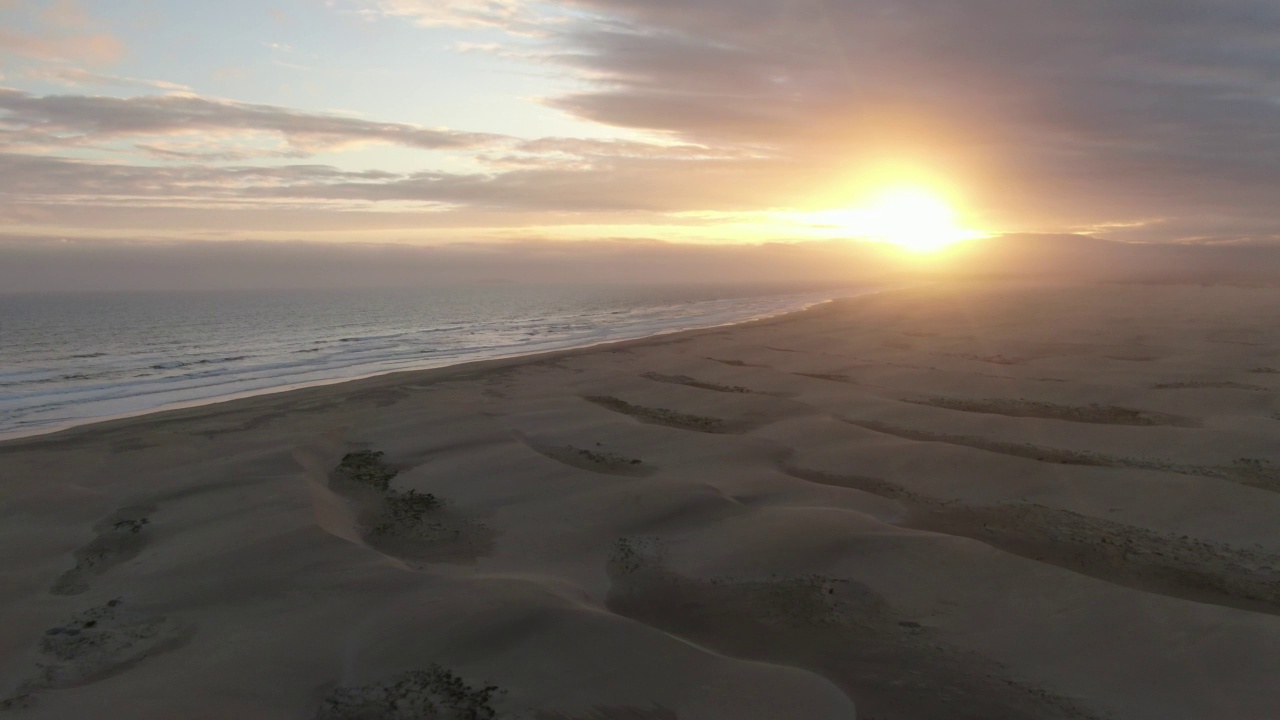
{"x": 957, "y": 500}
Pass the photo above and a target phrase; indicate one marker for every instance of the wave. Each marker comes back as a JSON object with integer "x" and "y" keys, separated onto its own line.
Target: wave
{"x": 176, "y": 364}
{"x": 285, "y": 354}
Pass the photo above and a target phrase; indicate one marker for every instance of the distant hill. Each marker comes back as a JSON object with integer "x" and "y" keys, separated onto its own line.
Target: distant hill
{"x": 1080, "y": 256}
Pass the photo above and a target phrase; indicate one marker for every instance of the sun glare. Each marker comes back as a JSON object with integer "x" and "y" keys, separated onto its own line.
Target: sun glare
{"x": 911, "y": 217}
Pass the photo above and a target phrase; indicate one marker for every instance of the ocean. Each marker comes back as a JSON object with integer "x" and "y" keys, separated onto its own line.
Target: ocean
{"x": 70, "y": 358}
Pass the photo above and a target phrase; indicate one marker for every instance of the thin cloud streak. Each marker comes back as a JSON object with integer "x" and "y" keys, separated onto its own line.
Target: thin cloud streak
{"x": 79, "y": 118}
{"x": 79, "y": 77}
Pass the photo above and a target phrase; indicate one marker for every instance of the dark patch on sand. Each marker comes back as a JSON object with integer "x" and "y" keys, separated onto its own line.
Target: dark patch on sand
{"x": 597, "y": 460}
{"x": 1095, "y": 414}
{"x": 416, "y": 695}
{"x": 121, "y": 536}
{"x": 735, "y": 363}
{"x": 94, "y": 645}
{"x": 690, "y": 382}
{"x": 1022, "y": 450}
{"x": 663, "y": 416}
{"x": 1260, "y": 474}
{"x": 1176, "y": 566}
{"x": 1165, "y": 564}
{"x": 830, "y": 377}
{"x": 1206, "y": 385}
{"x": 865, "y": 483}
{"x": 406, "y": 524}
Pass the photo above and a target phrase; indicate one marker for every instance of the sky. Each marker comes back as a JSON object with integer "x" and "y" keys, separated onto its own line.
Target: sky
{"x": 437, "y": 122}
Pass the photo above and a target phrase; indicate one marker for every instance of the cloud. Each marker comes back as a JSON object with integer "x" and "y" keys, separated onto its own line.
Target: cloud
{"x": 1047, "y": 110}
{"x": 1044, "y": 114}
{"x": 44, "y": 179}
{"x": 79, "y": 77}
{"x": 1038, "y": 114}
{"x": 510, "y": 15}
{"x": 78, "y": 119}
{"x": 612, "y": 185}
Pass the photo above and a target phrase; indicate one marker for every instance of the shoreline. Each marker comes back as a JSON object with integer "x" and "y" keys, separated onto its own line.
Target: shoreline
{"x": 479, "y": 366}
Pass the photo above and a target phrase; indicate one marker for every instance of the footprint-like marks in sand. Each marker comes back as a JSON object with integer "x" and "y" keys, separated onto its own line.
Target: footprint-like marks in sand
{"x": 406, "y": 524}
{"x": 667, "y": 418}
{"x": 1164, "y": 564}
{"x": 121, "y": 536}
{"x": 595, "y": 460}
{"x": 889, "y": 665}
{"x": 94, "y": 645}
{"x": 1095, "y": 414}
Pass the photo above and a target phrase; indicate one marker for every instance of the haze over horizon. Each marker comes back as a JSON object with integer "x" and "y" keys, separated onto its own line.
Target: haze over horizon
{"x": 131, "y": 129}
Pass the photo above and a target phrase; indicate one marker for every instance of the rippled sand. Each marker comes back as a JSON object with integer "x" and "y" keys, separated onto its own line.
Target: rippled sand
{"x": 946, "y": 502}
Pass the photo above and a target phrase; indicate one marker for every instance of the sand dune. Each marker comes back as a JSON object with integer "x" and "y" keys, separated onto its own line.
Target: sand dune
{"x": 943, "y": 502}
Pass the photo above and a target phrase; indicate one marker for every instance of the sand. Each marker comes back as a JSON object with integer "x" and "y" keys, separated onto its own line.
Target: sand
{"x": 953, "y": 501}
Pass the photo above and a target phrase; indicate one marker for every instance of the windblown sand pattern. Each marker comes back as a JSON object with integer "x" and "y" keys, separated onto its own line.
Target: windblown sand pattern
{"x": 744, "y": 524}
{"x": 597, "y": 460}
{"x": 1254, "y": 472}
{"x": 1097, "y": 414}
{"x": 839, "y": 628}
{"x": 690, "y": 382}
{"x": 663, "y": 416}
{"x": 1172, "y": 565}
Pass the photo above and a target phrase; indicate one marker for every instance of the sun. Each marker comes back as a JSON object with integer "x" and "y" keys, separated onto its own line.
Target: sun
{"x": 912, "y": 217}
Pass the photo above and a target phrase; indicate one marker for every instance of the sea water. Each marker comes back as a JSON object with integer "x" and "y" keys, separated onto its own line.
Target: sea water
{"x": 70, "y": 358}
